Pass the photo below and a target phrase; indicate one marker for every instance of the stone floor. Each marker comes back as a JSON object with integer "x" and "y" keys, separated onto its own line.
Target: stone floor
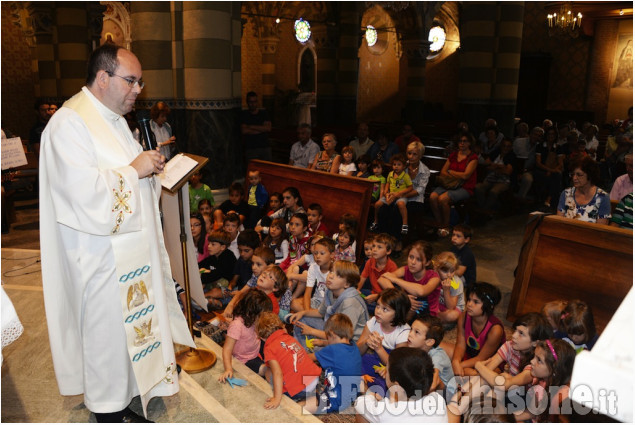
{"x": 29, "y": 390}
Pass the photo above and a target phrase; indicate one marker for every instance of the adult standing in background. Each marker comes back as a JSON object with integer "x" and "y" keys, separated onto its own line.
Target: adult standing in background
{"x": 43, "y": 116}
{"x": 305, "y": 149}
{"x": 406, "y": 137}
{"x": 111, "y": 309}
{"x": 161, "y": 129}
{"x": 362, "y": 143}
{"x": 255, "y": 126}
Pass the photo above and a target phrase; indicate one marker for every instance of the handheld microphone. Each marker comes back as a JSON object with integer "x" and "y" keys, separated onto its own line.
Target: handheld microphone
{"x": 147, "y": 135}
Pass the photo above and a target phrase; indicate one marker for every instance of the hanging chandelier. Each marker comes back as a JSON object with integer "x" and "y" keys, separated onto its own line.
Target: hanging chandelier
{"x": 567, "y": 21}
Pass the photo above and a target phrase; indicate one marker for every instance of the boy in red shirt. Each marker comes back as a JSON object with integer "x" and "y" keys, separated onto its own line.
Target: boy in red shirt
{"x": 378, "y": 264}
{"x": 289, "y": 366}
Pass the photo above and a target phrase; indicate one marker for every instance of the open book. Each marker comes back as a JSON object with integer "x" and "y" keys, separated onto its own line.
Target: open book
{"x": 177, "y": 168}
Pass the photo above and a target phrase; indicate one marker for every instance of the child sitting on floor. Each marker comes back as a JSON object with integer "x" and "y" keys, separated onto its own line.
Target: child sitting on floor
{"x": 383, "y": 333}
{"x": 278, "y": 240}
{"x": 426, "y": 333}
{"x": 289, "y": 367}
{"x": 452, "y": 297}
{"x": 241, "y": 341}
{"x": 316, "y": 276}
{"x": 578, "y": 324}
{"x": 341, "y": 364}
{"x": 314, "y": 215}
{"x": 409, "y": 399}
{"x": 344, "y": 248}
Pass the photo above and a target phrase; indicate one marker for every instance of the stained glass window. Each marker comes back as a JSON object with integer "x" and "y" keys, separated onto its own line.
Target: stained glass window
{"x": 436, "y": 39}
{"x": 302, "y": 30}
{"x": 371, "y": 35}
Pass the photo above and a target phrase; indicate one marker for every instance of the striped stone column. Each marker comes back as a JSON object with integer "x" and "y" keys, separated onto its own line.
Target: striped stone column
{"x": 491, "y": 38}
{"x": 326, "y": 42}
{"x": 40, "y": 35}
{"x": 72, "y": 47}
{"x": 206, "y": 51}
{"x": 152, "y": 42}
{"x": 348, "y": 62}
{"x": 416, "y": 51}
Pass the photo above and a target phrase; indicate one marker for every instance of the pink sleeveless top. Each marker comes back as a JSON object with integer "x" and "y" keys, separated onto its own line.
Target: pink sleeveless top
{"x": 475, "y": 343}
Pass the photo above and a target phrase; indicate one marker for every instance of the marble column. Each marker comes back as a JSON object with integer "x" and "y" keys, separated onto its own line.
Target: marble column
{"x": 268, "y": 47}
{"x": 416, "y": 51}
{"x": 348, "y": 63}
{"x": 212, "y": 87}
{"x": 491, "y": 39}
{"x": 325, "y": 39}
{"x": 72, "y": 47}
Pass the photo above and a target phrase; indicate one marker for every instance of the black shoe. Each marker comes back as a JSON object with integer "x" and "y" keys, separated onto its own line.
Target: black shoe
{"x": 124, "y": 416}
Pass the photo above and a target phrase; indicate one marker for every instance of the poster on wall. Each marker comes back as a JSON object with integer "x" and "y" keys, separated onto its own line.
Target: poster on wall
{"x": 623, "y": 63}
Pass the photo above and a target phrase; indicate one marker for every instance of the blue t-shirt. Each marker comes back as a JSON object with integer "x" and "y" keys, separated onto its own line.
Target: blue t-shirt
{"x": 244, "y": 272}
{"x": 442, "y": 362}
{"x": 342, "y": 365}
{"x": 466, "y": 257}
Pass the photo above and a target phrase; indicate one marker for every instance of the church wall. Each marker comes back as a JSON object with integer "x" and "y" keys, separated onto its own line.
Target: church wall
{"x": 441, "y": 81}
{"x": 251, "y": 59}
{"x": 18, "y": 98}
{"x": 378, "y": 96}
{"x": 570, "y": 59}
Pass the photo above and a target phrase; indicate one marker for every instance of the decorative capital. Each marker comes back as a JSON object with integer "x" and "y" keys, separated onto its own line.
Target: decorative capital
{"x": 269, "y": 45}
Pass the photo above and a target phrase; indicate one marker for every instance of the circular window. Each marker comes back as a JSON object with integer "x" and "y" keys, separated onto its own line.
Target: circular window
{"x": 436, "y": 39}
{"x": 302, "y": 30}
{"x": 371, "y": 35}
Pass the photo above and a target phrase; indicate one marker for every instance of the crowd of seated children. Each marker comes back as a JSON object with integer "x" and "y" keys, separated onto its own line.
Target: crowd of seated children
{"x": 330, "y": 317}
{"x": 340, "y": 297}
{"x": 418, "y": 279}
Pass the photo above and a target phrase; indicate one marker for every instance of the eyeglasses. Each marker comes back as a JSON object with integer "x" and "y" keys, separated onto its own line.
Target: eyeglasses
{"x": 131, "y": 81}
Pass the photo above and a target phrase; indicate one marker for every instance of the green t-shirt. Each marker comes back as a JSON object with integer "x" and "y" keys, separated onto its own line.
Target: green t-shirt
{"x": 203, "y": 192}
{"x": 377, "y": 186}
{"x": 400, "y": 182}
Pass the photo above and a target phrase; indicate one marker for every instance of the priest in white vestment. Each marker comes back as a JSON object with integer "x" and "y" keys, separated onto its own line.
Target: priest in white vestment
{"x": 111, "y": 308}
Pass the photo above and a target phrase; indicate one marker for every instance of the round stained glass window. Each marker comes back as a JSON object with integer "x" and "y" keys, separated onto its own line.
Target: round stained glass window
{"x": 371, "y": 35}
{"x": 302, "y": 30}
{"x": 436, "y": 39}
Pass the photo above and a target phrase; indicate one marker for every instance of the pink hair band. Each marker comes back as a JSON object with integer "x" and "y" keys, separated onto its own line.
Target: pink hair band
{"x": 555, "y": 356}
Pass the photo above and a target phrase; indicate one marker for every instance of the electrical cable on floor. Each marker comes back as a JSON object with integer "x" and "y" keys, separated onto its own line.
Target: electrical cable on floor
{"x": 9, "y": 273}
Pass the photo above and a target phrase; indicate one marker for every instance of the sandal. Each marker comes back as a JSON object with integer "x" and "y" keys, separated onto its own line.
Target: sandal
{"x": 373, "y": 227}
{"x": 443, "y": 232}
{"x": 404, "y": 229}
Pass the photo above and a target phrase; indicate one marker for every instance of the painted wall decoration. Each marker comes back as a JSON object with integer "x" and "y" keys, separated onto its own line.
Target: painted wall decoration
{"x": 623, "y": 64}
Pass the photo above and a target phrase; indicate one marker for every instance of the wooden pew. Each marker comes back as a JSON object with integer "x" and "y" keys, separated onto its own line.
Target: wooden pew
{"x": 336, "y": 194}
{"x": 569, "y": 259}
